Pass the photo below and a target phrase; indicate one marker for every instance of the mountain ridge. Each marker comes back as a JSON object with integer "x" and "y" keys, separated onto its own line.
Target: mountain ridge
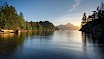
{"x": 68, "y": 26}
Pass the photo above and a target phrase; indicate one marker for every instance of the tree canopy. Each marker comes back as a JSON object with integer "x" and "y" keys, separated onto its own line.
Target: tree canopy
{"x": 10, "y": 20}
{"x": 94, "y": 22}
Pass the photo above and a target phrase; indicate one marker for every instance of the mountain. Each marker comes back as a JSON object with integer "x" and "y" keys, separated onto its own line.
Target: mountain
{"x": 68, "y": 26}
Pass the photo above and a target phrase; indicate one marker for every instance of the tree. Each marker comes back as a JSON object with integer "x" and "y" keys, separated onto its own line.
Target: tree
{"x": 102, "y": 6}
{"x": 9, "y": 19}
{"x": 22, "y": 23}
{"x": 28, "y": 26}
{"x": 21, "y": 14}
{"x": 84, "y": 19}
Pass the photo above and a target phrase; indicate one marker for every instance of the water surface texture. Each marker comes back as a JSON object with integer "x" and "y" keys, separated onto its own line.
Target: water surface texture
{"x": 51, "y": 45}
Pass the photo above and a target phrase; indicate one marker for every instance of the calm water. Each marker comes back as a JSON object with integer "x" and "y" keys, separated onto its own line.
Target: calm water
{"x": 52, "y": 45}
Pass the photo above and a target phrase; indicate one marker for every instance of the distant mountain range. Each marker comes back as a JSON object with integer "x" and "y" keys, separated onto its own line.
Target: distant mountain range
{"x": 68, "y": 26}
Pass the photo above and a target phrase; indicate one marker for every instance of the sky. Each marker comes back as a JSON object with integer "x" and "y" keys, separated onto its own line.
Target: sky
{"x": 56, "y": 11}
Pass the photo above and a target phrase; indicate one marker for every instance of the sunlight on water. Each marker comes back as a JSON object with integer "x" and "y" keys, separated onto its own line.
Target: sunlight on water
{"x": 6, "y": 35}
{"x": 71, "y": 40}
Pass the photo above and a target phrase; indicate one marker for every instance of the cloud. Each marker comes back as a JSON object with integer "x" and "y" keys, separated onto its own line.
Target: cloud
{"x": 75, "y": 5}
{"x": 74, "y": 18}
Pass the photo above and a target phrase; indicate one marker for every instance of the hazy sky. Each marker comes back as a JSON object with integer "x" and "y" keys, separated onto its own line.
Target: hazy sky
{"x": 56, "y": 11}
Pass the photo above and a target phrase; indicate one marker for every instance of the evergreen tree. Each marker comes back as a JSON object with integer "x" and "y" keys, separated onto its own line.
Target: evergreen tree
{"x": 9, "y": 19}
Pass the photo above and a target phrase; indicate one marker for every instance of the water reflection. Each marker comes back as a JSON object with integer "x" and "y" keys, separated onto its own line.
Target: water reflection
{"x": 9, "y": 43}
{"x": 12, "y": 43}
{"x": 51, "y": 45}
{"x": 95, "y": 38}
{"x": 93, "y": 45}
{"x": 39, "y": 35}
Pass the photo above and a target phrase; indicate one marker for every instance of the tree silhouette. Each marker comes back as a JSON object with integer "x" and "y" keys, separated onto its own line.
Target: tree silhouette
{"x": 84, "y": 19}
{"x": 96, "y": 22}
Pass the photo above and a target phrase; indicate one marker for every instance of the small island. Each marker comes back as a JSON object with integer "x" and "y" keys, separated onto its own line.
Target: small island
{"x": 11, "y": 21}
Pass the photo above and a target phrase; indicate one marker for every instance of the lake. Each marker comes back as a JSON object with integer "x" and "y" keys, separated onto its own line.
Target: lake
{"x": 70, "y": 44}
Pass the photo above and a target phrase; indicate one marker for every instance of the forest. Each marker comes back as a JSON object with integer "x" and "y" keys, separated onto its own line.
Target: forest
{"x": 11, "y": 20}
{"x": 94, "y": 22}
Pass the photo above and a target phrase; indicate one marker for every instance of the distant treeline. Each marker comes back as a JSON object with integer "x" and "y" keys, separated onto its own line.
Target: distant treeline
{"x": 94, "y": 22}
{"x": 10, "y": 20}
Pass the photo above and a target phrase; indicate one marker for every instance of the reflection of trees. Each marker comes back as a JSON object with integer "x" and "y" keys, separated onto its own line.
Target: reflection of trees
{"x": 96, "y": 38}
{"x": 9, "y": 44}
{"x": 39, "y": 33}
{"x": 96, "y": 47}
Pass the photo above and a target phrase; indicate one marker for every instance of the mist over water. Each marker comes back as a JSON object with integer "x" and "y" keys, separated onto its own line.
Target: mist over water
{"x": 70, "y": 44}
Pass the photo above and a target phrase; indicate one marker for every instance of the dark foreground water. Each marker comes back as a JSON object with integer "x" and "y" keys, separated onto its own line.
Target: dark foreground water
{"x": 51, "y": 45}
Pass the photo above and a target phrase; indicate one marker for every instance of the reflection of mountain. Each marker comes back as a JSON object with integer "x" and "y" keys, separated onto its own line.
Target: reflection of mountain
{"x": 68, "y": 26}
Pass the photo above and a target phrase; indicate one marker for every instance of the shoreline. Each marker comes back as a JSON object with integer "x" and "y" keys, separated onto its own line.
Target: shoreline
{"x": 19, "y": 31}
